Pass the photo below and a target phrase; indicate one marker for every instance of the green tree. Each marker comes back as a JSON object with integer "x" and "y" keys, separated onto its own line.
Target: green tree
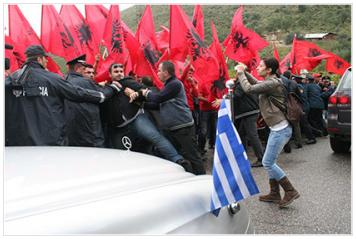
{"x": 302, "y": 8}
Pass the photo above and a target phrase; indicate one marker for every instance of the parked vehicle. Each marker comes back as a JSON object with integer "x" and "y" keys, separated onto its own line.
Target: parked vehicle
{"x": 73, "y": 190}
{"x": 339, "y": 115}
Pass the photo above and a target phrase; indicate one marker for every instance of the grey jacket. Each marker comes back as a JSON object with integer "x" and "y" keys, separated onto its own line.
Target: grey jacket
{"x": 174, "y": 110}
{"x": 271, "y": 86}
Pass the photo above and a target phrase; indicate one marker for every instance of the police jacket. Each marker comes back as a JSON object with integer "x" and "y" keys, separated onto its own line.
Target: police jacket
{"x": 84, "y": 126}
{"x": 313, "y": 92}
{"x": 244, "y": 104}
{"x": 304, "y": 98}
{"x": 34, "y": 106}
{"x": 118, "y": 111}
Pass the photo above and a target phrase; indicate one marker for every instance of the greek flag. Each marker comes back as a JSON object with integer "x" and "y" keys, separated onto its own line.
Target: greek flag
{"x": 232, "y": 179}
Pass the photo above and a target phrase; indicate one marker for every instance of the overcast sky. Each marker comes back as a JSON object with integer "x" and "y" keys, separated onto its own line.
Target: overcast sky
{"x": 32, "y": 13}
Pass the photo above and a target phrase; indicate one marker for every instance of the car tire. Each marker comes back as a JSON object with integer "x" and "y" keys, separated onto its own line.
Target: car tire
{"x": 339, "y": 146}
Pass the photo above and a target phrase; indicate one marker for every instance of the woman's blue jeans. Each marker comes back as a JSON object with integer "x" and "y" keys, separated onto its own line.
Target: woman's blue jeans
{"x": 275, "y": 144}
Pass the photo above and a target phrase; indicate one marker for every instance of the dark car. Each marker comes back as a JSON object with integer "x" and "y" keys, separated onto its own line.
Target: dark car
{"x": 339, "y": 115}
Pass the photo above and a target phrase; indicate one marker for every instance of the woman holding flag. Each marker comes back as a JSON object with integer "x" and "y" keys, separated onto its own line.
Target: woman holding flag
{"x": 281, "y": 130}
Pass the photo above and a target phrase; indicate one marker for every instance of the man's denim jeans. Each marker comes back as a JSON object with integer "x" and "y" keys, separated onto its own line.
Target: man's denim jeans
{"x": 144, "y": 128}
{"x": 275, "y": 144}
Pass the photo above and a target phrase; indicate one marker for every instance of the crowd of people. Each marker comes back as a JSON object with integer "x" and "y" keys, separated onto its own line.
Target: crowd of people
{"x": 177, "y": 122}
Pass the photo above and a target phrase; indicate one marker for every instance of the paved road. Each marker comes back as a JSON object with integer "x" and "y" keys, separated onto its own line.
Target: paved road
{"x": 324, "y": 181}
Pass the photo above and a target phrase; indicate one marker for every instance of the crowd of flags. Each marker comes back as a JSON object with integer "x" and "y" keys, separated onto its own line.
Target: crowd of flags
{"x": 68, "y": 34}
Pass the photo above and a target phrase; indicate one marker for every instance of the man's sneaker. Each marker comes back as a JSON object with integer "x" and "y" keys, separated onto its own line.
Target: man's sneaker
{"x": 299, "y": 146}
{"x": 186, "y": 165}
{"x": 256, "y": 164}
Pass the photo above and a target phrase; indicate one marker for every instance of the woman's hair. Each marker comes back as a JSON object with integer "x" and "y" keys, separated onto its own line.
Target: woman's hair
{"x": 273, "y": 64}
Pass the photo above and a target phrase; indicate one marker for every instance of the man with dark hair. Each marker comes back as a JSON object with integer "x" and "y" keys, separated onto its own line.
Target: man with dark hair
{"x": 89, "y": 72}
{"x": 121, "y": 114}
{"x": 84, "y": 124}
{"x": 34, "y": 102}
{"x": 176, "y": 118}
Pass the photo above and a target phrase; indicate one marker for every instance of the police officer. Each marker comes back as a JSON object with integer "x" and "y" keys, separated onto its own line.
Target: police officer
{"x": 84, "y": 126}
{"x": 34, "y": 102}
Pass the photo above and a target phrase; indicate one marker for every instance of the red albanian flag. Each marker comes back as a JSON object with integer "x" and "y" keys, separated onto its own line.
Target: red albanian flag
{"x": 145, "y": 35}
{"x": 132, "y": 45}
{"x": 96, "y": 16}
{"x": 185, "y": 40}
{"x": 23, "y": 36}
{"x": 80, "y": 31}
{"x": 285, "y": 65}
{"x": 140, "y": 65}
{"x": 237, "y": 21}
{"x": 336, "y": 64}
{"x": 242, "y": 43}
{"x": 55, "y": 36}
{"x": 114, "y": 41}
{"x": 275, "y": 53}
{"x": 198, "y": 21}
{"x": 215, "y": 48}
{"x": 162, "y": 39}
{"x": 114, "y": 36}
{"x": 302, "y": 55}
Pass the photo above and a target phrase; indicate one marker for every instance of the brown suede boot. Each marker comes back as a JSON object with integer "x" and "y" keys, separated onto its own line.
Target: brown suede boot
{"x": 290, "y": 192}
{"x": 274, "y": 195}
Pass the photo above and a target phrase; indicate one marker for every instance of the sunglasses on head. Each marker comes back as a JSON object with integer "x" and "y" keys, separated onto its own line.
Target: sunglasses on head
{"x": 117, "y": 66}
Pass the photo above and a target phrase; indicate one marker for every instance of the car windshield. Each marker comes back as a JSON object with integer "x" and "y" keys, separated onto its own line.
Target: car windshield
{"x": 345, "y": 83}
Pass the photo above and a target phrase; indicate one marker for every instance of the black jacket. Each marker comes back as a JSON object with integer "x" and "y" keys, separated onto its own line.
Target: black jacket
{"x": 244, "y": 104}
{"x": 34, "y": 106}
{"x": 83, "y": 119}
{"x": 118, "y": 111}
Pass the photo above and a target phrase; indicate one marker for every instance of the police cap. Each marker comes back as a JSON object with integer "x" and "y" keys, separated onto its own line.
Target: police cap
{"x": 35, "y": 50}
{"x": 79, "y": 59}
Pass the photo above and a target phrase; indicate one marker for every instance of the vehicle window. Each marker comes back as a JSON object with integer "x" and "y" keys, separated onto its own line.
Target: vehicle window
{"x": 346, "y": 81}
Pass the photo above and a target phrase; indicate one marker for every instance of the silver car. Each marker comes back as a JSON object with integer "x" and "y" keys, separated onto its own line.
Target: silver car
{"x": 71, "y": 190}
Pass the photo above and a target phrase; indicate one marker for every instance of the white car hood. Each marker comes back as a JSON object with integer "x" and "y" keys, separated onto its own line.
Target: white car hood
{"x": 69, "y": 190}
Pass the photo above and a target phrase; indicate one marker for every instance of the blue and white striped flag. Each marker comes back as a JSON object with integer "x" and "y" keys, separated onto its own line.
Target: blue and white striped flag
{"x": 232, "y": 178}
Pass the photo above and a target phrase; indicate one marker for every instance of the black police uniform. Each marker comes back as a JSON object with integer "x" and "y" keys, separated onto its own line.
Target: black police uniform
{"x": 84, "y": 123}
{"x": 34, "y": 105}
